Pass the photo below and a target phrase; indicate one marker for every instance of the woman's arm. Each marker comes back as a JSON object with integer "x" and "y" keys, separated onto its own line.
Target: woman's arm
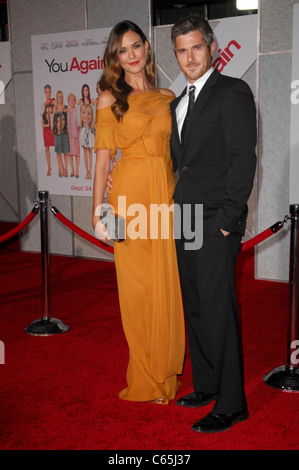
{"x": 102, "y": 168}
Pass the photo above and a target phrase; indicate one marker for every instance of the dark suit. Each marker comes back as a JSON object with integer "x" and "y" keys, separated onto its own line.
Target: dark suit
{"x": 216, "y": 168}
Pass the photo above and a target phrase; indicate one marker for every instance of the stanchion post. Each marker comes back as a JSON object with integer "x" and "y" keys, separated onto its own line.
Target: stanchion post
{"x": 287, "y": 377}
{"x": 46, "y": 325}
{"x": 44, "y": 240}
{"x": 292, "y": 360}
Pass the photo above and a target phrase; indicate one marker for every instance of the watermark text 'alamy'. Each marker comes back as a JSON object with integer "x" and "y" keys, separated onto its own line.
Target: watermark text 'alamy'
{"x": 161, "y": 221}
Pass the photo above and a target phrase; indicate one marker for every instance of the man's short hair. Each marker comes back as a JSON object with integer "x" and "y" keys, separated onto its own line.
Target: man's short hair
{"x": 192, "y": 22}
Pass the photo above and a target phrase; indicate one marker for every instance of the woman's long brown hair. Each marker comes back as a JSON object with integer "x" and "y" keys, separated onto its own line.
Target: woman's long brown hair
{"x": 113, "y": 78}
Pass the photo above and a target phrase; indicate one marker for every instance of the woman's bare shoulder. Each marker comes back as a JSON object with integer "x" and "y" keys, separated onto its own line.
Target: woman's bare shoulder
{"x": 105, "y": 99}
{"x": 166, "y": 91}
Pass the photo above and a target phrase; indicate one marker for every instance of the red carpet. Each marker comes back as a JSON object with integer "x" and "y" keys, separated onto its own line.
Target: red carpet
{"x": 60, "y": 392}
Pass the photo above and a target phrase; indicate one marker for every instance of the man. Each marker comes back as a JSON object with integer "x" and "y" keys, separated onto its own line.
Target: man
{"x": 216, "y": 163}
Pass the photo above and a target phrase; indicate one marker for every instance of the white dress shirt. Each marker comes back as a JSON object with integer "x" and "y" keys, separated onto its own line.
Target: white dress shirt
{"x": 181, "y": 108}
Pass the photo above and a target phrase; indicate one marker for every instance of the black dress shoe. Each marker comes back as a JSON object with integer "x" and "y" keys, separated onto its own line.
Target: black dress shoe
{"x": 217, "y": 423}
{"x": 196, "y": 399}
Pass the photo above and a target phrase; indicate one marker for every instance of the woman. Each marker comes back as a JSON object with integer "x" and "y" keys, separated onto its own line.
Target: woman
{"x": 47, "y": 133}
{"x": 47, "y": 110}
{"x": 73, "y": 134}
{"x": 86, "y": 133}
{"x": 62, "y": 145}
{"x": 86, "y": 136}
{"x": 134, "y": 116}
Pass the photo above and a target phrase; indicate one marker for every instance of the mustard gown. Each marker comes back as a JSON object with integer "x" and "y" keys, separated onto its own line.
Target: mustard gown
{"x": 147, "y": 274}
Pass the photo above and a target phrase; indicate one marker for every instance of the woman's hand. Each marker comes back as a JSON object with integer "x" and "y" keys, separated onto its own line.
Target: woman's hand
{"x": 109, "y": 183}
{"x": 100, "y": 229}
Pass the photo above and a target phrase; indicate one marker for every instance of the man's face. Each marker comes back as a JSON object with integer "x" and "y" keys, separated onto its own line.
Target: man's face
{"x": 193, "y": 55}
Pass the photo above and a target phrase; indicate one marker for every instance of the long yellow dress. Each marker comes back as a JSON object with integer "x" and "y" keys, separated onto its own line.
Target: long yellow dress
{"x": 147, "y": 274}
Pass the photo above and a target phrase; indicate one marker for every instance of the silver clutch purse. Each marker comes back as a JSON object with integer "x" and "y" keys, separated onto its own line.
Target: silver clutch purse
{"x": 114, "y": 224}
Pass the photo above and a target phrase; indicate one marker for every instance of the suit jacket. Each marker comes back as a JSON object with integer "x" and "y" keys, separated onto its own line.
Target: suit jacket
{"x": 217, "y": 162}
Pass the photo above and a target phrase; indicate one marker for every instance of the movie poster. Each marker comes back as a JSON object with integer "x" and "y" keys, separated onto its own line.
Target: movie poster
{"x": 66, "y": 70}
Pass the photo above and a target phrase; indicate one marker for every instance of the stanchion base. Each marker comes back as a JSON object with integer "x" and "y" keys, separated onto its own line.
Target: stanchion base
{"x": 283, "y": 378}
{"x": 46, "y": 327}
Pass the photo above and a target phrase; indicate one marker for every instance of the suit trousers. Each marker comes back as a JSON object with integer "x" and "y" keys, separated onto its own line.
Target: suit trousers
{"x": 208, "y": 286}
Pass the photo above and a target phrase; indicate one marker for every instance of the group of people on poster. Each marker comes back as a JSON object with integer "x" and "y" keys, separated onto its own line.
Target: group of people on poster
{"x": 68, "y": 125}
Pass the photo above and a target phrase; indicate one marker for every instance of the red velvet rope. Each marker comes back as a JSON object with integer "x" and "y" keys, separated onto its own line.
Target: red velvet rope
{"x": 261, "y": 237}
{"x": 19, "y": 227}
{"x": 244, "y": 246}
{"x": 81, "y": 232}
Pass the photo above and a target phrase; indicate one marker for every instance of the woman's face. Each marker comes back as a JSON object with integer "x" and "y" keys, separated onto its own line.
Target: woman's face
{"x": 59, "y": 98}
{"x": 132, "y": 53}
{"x": 72, "y": 102}
{"x": 85, "y": 91}
{"x": 48, "y": 93}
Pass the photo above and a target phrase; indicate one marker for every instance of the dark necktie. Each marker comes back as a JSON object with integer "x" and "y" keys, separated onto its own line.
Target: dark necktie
{"x": 189, "y": 109}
